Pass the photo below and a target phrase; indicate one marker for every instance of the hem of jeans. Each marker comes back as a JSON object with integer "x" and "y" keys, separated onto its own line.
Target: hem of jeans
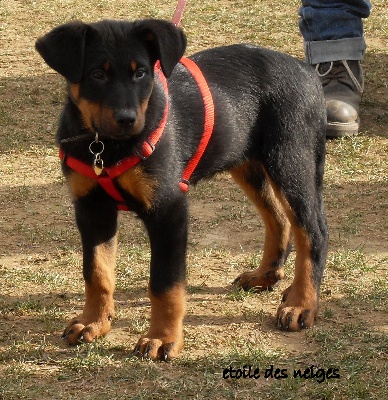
{"x": 335, "y": 50}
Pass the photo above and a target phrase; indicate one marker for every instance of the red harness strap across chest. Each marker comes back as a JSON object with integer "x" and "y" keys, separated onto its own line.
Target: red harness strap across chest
{"x": 106, "y": 179}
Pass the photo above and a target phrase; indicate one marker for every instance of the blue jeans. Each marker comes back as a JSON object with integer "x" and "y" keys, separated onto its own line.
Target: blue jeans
{"x": 333, "y": 29}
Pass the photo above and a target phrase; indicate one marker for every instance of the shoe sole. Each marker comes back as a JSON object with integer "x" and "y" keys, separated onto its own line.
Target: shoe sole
{"x": 338, "y": 129}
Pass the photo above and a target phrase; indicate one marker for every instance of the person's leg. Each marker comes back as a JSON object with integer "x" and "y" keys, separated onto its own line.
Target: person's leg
{"x": 334, "y": 43}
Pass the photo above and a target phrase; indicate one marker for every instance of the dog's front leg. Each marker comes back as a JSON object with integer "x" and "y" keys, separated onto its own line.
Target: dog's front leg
{"x": 167, "y": 228}
{"x": 97, "y": 223}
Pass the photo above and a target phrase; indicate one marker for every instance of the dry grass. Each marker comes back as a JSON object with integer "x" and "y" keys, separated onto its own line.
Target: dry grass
{"x": 40, "y": 260}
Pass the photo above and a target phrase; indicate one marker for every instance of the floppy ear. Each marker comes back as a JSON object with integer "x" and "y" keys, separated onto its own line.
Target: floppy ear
{"x": 165, "y": 41}
{"x": 63, "y": 49}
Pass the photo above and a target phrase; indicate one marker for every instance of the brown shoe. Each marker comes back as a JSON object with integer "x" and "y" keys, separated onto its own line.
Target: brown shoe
{"x": 343, "y": 84}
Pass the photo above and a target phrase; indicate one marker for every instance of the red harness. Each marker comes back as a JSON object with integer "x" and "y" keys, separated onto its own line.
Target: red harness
{"x": 106, "y": 180}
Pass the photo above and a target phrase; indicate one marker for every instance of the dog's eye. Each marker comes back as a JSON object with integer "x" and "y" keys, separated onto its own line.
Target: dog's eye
{"x": 98, "y": 74}
{"x": 140, "y": 73}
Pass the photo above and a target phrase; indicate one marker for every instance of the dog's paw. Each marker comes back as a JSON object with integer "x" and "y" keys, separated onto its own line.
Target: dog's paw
{"x": 258, "y": 281}
{"x": 296, "y": 311}
{"x": 158, "y": 349}
{"x": 86, "y": 330}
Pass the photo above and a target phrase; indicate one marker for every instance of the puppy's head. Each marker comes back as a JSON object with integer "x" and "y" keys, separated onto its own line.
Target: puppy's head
{"x": 109, "y": 66}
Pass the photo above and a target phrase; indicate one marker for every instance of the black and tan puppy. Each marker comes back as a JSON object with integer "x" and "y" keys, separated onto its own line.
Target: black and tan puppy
{"x": 127, "y": 136}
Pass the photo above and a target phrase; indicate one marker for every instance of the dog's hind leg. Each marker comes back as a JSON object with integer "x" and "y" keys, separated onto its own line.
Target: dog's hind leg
{"x": 252, "y": 178}
{"x": 299, "y": 189}
{"x": 299, "y": 306}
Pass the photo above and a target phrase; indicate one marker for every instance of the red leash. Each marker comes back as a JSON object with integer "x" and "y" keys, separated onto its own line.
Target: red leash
{"x": 178, "y": 13}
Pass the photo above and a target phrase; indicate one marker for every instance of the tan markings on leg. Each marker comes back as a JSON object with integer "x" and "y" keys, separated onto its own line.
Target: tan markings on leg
{"x": 95, "y": 320}
{"x": 164, "y": 339}
{"x": 299, "y": 306}
{"x": 79, "y": 185}
{"x": 277, "y": 232}
{"x": 142, "y": 187}
{"x": 300, "y": 300}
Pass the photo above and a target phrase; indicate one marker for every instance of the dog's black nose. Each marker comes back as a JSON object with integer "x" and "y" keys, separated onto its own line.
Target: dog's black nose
{"x": 125, "y": 118}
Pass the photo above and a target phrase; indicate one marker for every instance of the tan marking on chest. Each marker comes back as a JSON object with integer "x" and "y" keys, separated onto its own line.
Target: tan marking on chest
{"x": 139, "y": 185}
{"x": 79, "y": 185}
